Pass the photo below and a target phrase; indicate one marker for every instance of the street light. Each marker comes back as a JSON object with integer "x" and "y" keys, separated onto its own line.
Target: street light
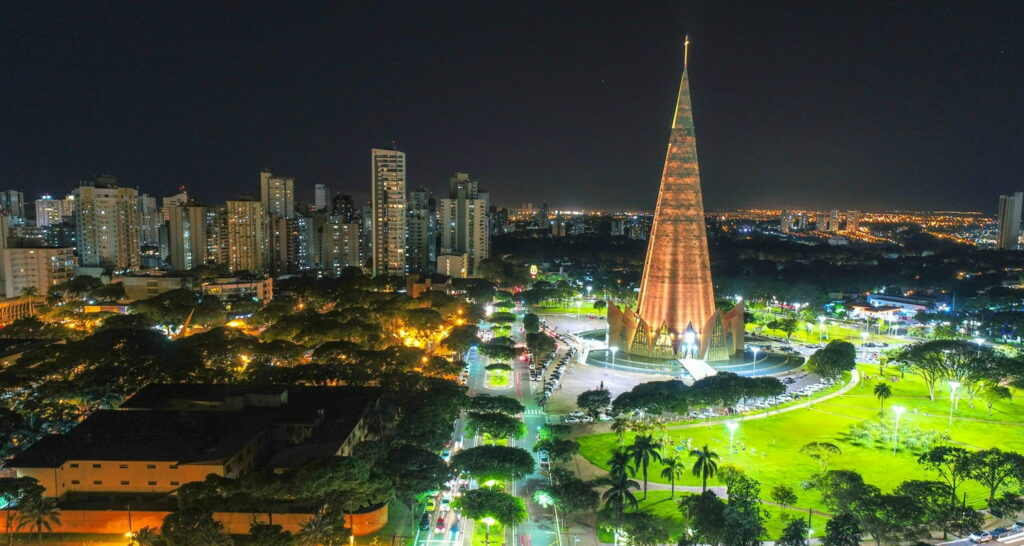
{"x": 589, "y": 288}
{"x": 732, "y": 426}
{"x": 487, "y": 535}
{"x": 578, "y": 302}
{"x": 753, "y": 372}
{"x": 863, "y": 338}
{"x": 821, "y": 326}
{"x": 953, "y": 386}
{"x": 898, "y": 410}
{"x": 980, "y": 341}
{"x": 614, "y": 349}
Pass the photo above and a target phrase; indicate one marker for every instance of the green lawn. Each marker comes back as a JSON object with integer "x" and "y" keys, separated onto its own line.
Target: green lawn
{"x": 660, "y": 504}
{"x": 831, "y": 331}
{"x": 586, "y": 308}
{"x": 480, "y": 534}
{"x": 768, "y": 449}
{"x": 499, "y": 379}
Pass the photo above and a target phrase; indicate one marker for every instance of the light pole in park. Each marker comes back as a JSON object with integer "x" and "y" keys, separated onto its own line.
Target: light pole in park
{"x": 589, "y": 288}
{"x": 732, "y": 426}
{"x": 953, "y": 386}
{"x": 980, "y": 341}
{"x": 821, "y": 326}
{"x": 614, "y": 349}
{"x": 898, "y": 410}
{"x": 753, "y": 371}
{"x": 863, "y": 338}
{"x": 578, "y": 303}
{"x": 487, "y": 535}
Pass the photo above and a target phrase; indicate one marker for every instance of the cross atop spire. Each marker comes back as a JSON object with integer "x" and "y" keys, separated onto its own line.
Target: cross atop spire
{"x": 686, "y": 51}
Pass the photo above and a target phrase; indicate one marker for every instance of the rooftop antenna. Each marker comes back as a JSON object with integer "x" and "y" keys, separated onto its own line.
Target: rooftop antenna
{"x": 686, "y": 51}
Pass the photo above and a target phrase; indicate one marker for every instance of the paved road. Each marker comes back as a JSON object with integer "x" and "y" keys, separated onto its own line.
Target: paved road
{"x": 1015, "y": 539}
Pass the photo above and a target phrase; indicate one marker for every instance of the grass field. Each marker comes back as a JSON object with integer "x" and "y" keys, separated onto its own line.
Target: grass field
{"x": 831, "y": 331}
{"x": 586, "y": 308}
{"x": 660, "y": 504}
{"x": 768, "y": 449}
{"x": 499, "y": 379}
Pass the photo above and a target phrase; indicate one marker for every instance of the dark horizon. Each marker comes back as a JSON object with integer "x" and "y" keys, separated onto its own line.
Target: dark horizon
{"x": 872, "y": 106}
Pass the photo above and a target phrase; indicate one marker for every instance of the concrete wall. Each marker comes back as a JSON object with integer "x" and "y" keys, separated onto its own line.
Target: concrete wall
{"x": 116, "y": 521}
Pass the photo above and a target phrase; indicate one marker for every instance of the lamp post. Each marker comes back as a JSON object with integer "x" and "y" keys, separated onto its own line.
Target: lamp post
{"x": 614, "y": 349}
{"x": 732, "y": 426}
{"x": 980, "y": 341}
{"x": 589, "y": 288}
{"x": 953, "y": 386}
{"x": 821, "y": 326}
{"x": 898, "y": 410}
{"x": 487, "y": 534}
{"x": 863, "y": 338}
{"x": 578, "y": 302}
{"x": 753, "y": 371}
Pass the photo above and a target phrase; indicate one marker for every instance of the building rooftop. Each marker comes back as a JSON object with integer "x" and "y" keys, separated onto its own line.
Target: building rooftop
{"x": 180, "y": 436}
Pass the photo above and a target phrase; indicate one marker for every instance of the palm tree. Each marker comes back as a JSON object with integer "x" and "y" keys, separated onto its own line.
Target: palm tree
{"x": 213, "y": 535}
{"x": 147, "y": 536}
{"x": 39, "y": 513}
{"x": 644, "y": 449}
{"x": 882, "y": 393}
{"x": 620, "y": 426}
{"x": 705, "y": 466}
{"x": 618, "y": 465}
{"x": 316, "y": 531}
{"x": 619, "y": 494}
{"x": 674, "y": 468}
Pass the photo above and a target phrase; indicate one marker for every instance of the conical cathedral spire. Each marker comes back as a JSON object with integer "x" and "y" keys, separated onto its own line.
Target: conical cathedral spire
{"x": 676, "y": 293}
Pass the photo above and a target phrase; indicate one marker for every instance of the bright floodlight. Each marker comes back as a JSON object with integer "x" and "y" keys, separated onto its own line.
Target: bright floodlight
{"x": 898, "y": 410}
{"x": 689, "y": 337}
{"x": 543, "y": 498}
{"x": 488, "y": 520}
{"x": 954, "y": 385}
{"x": 979, "y": 340}
{"x": 732, "y": 426}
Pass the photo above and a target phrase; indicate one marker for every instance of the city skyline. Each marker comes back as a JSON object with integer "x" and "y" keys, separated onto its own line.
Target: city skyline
{"x": 788, "y": 105}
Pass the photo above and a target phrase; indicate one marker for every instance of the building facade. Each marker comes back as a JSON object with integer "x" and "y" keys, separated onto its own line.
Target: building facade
{"x": 245, "y": 225}
{"x": 388, "y": 203}
{"x": 277, "y": 194}
{"x": 36, "y": 268}
{"x": 421, "y": 253}
{"x": 107, "y": 225}
{"x": 463, "y": 221}
{"x": 49, "y": 211}
{"x": 1008, "y": 220}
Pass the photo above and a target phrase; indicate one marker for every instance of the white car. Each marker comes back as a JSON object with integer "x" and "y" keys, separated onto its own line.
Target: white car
{"x": 980, "y": 536}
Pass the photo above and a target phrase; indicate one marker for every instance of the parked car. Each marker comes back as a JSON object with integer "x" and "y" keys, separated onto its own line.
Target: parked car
{"x": 425, "y": 522}
{"x": 999, "y": 532}
{"x": 980, "y": 536}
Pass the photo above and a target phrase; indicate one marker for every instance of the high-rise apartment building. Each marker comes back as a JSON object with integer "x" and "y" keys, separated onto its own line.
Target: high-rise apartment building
{"x": 12, "y": 205}
{"x": 107, "y": 225}
{"x": 852, "y": 220}
{"x": 36, "y": 268}
{"x": 786, "y": 221}
{"x": 192, "y": 236}
{"x": 821, "y": 222}
{"x": 49, "y": 211}
{"x": 150, "y": 220}
{"x": 463, "y": 221}
{"x": 388, "y": 202}
{"x": 1008, "y": 220}
{"x": 343, "y": 206}
{"x": 277, "y": 194}
{"x": 335, "y": 244}
{"x": 245, "y": 230}
{"x": 421, "y": 253}
{"x": 300, "y": 241}
{"x": 321, "y": 197}
{"x": 833, "y": 220}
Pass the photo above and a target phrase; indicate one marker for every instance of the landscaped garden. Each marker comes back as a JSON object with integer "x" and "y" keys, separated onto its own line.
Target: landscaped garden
{"x": 858, "y": 422}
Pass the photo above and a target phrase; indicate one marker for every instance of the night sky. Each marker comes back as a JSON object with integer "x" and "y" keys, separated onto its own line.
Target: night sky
{"x": 797, "y": 104}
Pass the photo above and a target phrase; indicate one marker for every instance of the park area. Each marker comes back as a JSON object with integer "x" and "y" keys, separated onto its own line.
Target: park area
{"x": 857, "y": 422}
